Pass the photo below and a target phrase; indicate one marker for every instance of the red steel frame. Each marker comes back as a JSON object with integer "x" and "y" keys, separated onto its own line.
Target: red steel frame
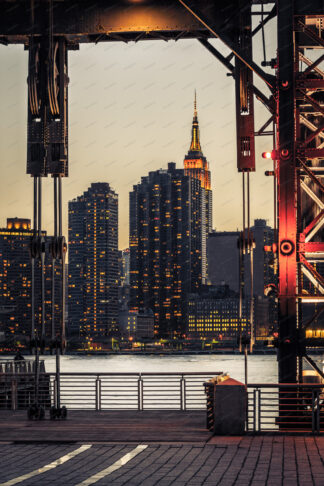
{"x": 300, "y": 117}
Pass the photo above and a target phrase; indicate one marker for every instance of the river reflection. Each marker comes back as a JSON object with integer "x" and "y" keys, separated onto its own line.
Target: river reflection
{"x": 261, "y": 369}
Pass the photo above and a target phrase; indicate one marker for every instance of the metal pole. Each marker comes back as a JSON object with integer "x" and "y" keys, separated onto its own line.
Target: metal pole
{"x": 54, "y": 258}
{"x": 245, "y": 364}
{"x": 254, "y": 409}
{"x": 251, "y": 302}
{"x": 62, "y": 243}
{"x": 42, "y": 258}
{"x": 33, "y": 260}
{"x": 53, "y": 300}
{"x": 241, "y": 260}
{"x": 35, "y": 206}
{"x": 60, "y": 205}
{"x": 58, "y": 378}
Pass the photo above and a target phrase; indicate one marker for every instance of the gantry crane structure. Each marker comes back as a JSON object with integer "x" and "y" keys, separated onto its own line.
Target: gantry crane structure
{"x": 292, "y": 93}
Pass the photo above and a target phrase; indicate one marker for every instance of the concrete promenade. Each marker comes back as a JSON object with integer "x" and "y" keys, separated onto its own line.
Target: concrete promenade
{"x": 145, "y": 451}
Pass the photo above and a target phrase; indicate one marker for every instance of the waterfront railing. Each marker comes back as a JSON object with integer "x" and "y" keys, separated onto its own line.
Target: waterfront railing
{"x": 285, "y": 408}
{"x": 107, "y": 391}
{"x": 270, "y": 407}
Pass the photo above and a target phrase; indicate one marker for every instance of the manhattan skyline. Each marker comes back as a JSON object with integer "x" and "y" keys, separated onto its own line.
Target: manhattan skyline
{"x": 130, "y": 112}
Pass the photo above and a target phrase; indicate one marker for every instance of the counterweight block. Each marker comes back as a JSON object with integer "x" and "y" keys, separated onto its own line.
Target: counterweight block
{"x": 47, "y": 132}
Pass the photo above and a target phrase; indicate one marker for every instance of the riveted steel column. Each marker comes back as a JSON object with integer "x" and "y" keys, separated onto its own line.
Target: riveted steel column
{"x": 287, "y": 193}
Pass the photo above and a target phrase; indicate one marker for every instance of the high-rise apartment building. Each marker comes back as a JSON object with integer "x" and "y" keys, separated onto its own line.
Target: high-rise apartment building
{"x": 15, "y": 282}
{"x": 93, "y": 261}
{"x": 165, "y": 246}
{"x": 196, "y": 165}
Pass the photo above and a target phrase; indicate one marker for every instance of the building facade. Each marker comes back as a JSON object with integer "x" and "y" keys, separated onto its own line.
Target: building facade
{"x": 223, "y": 269}
{"x": 16, "y": 283}
{"x": 214, "y": 314}
{"x": 93, "y": 262}
{"x": 165, "y": 246}
{"x": 196, "y": 165}
{"x": 137, "y": 325}
{"x": 123, "y": 285}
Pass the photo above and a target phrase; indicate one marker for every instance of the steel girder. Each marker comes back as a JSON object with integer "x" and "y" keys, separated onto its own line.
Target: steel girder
{"x": 300, "y": 118}
{"x": 299, "y": 113}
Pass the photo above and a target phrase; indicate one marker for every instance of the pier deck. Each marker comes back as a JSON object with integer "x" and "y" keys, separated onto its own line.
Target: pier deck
{"x": 150, "y": 448}
{"x": 126, "y": 426}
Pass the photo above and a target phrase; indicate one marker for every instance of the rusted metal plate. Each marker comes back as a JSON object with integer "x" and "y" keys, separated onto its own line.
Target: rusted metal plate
{"x": 84, "y": 21}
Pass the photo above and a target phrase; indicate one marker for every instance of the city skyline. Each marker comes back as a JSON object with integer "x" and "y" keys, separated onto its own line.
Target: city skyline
{"x": 143, "y": 123}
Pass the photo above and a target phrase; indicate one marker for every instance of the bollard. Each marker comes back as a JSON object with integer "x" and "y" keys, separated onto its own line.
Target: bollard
{"x": 226, "y": 406}
{"x": 14, "y": 395}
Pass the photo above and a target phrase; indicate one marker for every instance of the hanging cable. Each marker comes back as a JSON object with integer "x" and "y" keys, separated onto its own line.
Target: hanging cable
{"x": 263, "y": 35}
{"x": 250, "y": 251}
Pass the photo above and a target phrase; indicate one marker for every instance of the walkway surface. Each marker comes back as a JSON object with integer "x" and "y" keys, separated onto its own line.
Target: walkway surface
{"x": 153, "y": 448}
{"x": 255, "y": 461}
{"x": 106, "y": 426}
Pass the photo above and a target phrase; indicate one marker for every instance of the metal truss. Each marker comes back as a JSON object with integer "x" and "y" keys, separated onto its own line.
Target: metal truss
{"x": 295, "y": 104}
{"x": 299, "y": 171}
{"x": 309, "y": 90}
{"x": 47, "y": 154}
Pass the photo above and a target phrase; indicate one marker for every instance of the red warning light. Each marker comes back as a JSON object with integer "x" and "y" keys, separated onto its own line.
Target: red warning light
{"x": 269, "y": 155}
{"x": 266, "y": 155}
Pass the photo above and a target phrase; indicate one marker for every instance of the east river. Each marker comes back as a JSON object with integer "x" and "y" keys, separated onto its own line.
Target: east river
{"x": 261, "y": 369}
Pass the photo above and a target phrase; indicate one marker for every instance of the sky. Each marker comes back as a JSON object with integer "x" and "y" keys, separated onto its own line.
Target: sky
{"x": 130, "y": 112}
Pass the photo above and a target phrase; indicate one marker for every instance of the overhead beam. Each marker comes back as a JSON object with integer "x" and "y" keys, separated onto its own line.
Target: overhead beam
{"x": 270, "y": 16}
{"x": 314, "y": 366}
{"x": 226, "y": 62}
{"x": 217, "y": 32}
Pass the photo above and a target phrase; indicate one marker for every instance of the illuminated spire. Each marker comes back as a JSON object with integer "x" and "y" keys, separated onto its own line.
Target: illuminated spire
{"x": 195, "y": 142}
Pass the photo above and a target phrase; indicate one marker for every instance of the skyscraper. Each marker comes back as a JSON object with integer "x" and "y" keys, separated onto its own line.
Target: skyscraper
{"x": 196, "y": 166}
{"x": 93, "y": 261}
{"x": 15, "y": 282}
{"x": 165, "y": 246}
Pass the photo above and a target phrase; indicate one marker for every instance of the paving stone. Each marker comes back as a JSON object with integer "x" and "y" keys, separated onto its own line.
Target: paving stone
{"x": 247, "y": 461}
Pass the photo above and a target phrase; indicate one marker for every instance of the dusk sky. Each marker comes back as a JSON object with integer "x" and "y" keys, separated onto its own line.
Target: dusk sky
{"x": 130, "y": 112}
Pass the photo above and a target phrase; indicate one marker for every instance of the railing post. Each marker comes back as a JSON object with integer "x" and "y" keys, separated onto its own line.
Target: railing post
{"x": 181, "y": 393}
{"x": 247, "y": 410}
{"x": 55, "y": 393}
{"x": 318, "y": 409}
{"x": 184, "y": 394}
{"x": 313, "y": 412}
{"x": 98, "y": 393}
{"x": 259, "y": 409}
{"x": 254, "y": 410}
{"x": 140, "y": 389}
{"x": 13, "y": 394}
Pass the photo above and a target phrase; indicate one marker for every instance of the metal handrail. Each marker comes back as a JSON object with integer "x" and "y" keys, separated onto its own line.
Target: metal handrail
{"x": 52, "y": 373}
{"x": 285, "y": 407}
{"x": 285, "y": 385}
{"x": 109, "y": 390}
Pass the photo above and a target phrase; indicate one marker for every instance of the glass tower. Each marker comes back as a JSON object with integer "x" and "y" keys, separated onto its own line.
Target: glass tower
{"x": 93, "y": 262}
{"x": 165, "y": 246}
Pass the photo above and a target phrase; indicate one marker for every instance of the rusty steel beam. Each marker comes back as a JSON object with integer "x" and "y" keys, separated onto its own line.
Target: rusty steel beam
{"x": 287, "y": 189}
{"x": 124, "y": 20}
{"x": 214, "y": 26}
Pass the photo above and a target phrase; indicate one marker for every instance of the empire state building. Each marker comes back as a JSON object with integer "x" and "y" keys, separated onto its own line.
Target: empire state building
{"x": 197, "y": 166}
